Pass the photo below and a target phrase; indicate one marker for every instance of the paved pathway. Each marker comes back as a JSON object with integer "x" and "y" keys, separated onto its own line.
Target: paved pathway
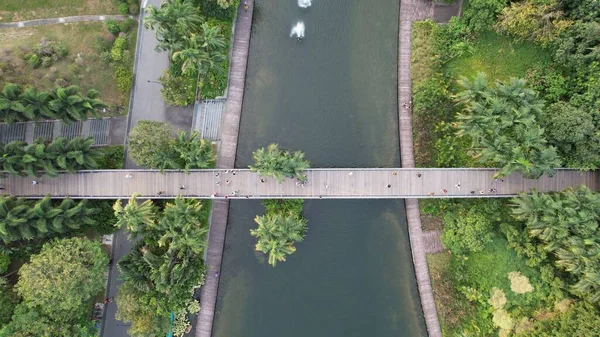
{"x": 230, "y": 125}
{"x": 343, "y": 183}
{"x": 67, "y": 19}
{"x": 413, "y": 10}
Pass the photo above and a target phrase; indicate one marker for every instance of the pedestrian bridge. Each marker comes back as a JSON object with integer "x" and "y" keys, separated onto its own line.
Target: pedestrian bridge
{"x": 331, "y": 183}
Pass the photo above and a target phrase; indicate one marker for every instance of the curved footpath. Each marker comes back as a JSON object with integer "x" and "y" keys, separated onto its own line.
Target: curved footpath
{"x": 230, "y": 125}
{"x": 409, "y": 10}
{"x": 67, "y": 19}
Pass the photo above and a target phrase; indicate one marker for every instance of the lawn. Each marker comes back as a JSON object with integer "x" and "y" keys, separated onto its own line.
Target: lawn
{"x": 19, "y": 10}
{"x": 500, "y": 57}
{"x": 82, "y": 66}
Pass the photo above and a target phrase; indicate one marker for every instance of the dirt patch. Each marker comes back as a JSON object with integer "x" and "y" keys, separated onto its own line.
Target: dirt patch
{"x": 431, "y": 223}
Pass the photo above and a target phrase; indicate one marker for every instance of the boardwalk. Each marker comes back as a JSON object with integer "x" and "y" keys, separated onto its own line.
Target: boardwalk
{"x": 230, "y": 125}
{"x": 322, "y": 183}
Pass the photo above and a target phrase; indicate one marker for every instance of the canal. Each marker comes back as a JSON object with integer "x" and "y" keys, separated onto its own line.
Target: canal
{"x": 332, "y": 95}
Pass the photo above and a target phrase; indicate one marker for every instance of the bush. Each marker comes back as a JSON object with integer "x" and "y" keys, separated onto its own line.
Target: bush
{"x": 118, "y": 47}
{"x": 126, "y": 25}
{"x": 480, "y": 15}
{"x": 46, "y": 61}
{"x": 113, "y": 27}
{"x": 124, "y": 77}
{"x": 134, "y": 8}
{"x": 112, "y": 158}
{"x": 178, "y": 90}
{"x": 124, "y": 8}
{"x": 106, "y": 57}
{"x": 468, "y": 231}
{"x": 148, "y": 140}
{"x": 4, "y": 262}
{"x": 34, "y": 61}
{"x": 104, "y": 43}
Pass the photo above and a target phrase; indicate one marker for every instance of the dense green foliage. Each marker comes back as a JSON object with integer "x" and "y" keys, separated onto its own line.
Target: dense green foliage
{"x": 8, "y": 301}
{"x": 152, "y": 145}
{"x": 197, "y": 47}
{"x": 561, "y": 231}
{"x": 55, "y": 286}
{"x": 481, "y": 14}
{"x": 580, "y": 320}
{"x": 502, "y": 122}
{"x": 23, "y": 219}
{"x": 31, "y": 160}
{"x": 165, "y": 265}
{"x": 64, "y": 103}
{"x": 279, "y": 164}
{"x": 4, "y": 261}
{"x": 280, "y": 227}
{"x": 111, "y": 157}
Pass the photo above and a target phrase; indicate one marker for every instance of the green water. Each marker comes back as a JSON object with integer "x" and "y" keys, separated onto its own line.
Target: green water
{"x": 332, "y": 95}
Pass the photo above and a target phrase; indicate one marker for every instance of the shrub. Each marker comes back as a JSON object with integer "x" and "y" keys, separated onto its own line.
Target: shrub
{"x": 113, "y": 27}
{"x": 124, "y": 8}
{"x": 112, "y": 158}
{"x": 148, "y": 141}
{"x": 124, "y": 77}
{"x": 4, "y": 262}
{"x": 519, "y": 283}
{"x": 46, "y": 61}
{"x": 34, "y": 61}
{"x": 134, "y": 8}
{"x": 467, "y": 231}
{"x": 119, "y": 46}
{"x": 177, "y": 90}
{"x": 105, "y": 57}
{"x": 480, "y": 15}
{"x": 104, "y": 43}
{"x": 497, "y": 299}
{"x": 126, "y": 25}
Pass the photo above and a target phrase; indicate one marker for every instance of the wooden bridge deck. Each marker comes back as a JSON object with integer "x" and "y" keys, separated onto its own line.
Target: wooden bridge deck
{"x": 343, "y": 183}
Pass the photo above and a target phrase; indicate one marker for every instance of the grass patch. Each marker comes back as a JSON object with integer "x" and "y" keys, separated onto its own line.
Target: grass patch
{"x": 20, "y": 10}
{"x": 424, "y": 60}
{"x": 500, "y": 57}
{"x": 81, "y": 67}
{"x": 452, "y": 306}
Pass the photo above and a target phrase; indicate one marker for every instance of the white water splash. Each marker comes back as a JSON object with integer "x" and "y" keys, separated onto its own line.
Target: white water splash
{"x": 304, "y": 3}
{"x": 298, "y": 30}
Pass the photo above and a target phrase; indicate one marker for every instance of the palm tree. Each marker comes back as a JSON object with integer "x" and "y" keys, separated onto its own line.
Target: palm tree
{"x": 75, "y": 154}
{"x": 194, "y": 152}
{"x": 174, "y": 20}
{"x": 11, "y": 108}
{"x": 12, "y": 157}
{"x": 180, "y": 229}
{"x": 14, "y": 224}
{"x": 276, "y": 235}
{"x": 35, "y": 104}
{"x": 138, "y": 218}
{"x": 202, "y": 53}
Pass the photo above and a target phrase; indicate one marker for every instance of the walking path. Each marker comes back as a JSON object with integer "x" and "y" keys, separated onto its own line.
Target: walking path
{"x": 413, "y": 10}
{"x": 230, "y": 125}
{"x": 343, "y": 183}
{"x": 66, "y": 19}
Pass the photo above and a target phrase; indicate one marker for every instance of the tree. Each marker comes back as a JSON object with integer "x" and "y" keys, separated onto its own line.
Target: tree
{"x": 530, "y": 20}
{"x": 573, "y": 133}
{"x": 69, "y": 104}
{"x": 279, "y": 164}
{"x": 64, "y": 275}
{"x": 10, "y": 104}
{"x": 566, "y": 226}
{"x": 577, "y": 48}
{"x": 502, "y": 122}
{"x": 134, "y": 307}
{"x": 149, "y": 141}
{"x": 135, "y": 217}
{"x": 481, "y": 14}
{"x": 8, "y": 300}
{"x": 202, "y": 52}
{"x": 174, "y": 20}
{"x": 194, "y": 152}
{"x": 277, "y": 233}
{"x": 35, "y": 104}
{"x": 178, "y": 90}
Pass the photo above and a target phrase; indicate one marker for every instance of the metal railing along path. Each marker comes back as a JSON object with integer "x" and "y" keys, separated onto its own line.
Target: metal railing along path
{"x": 338, "y": 183}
